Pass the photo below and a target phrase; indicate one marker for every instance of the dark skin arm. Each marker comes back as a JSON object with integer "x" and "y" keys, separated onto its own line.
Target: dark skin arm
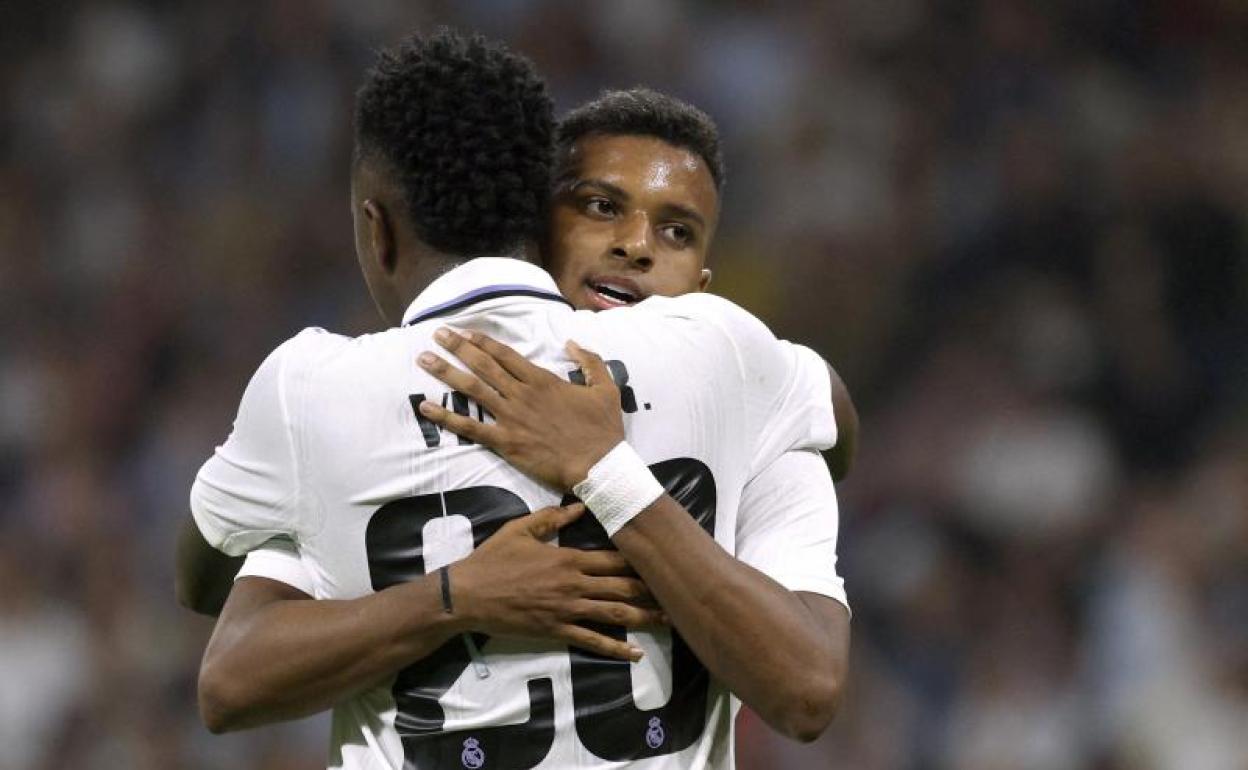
{"x": 785, "y": 654}
{"x": 841, "y": 457}
{"x": 203, "y": 575}
{"x": 277, "y": 655}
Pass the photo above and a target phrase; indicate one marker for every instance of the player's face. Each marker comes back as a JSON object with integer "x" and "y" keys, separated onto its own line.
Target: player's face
{"x": 632, "y": 216}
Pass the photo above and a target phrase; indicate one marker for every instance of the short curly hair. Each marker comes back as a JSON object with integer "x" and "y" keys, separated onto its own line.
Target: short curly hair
{"x": 643, "y": 111}
{"x": 466, "y": 127}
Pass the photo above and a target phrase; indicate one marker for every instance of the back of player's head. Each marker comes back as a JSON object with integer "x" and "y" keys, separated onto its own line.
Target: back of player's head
{"x": 466, "y": 128}
{"x": 645, "y": 112}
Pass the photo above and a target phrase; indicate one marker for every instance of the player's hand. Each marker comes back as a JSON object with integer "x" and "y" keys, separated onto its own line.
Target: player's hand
{"x": 545, "y": 426}
{"x": 517, "y": 584}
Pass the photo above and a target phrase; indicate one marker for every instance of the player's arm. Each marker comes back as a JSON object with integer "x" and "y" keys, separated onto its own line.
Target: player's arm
{"x": 203, "y": 575}
{"x": 782, "y": 653}
{"x": 274, "y": 654}
{"x": 248, "y": 490}
{"x": 841, "y": 456}
{"x": 277, "y": 655}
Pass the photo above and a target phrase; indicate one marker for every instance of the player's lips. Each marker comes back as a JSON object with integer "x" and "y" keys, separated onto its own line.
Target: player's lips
{"x": 611, "y": 292}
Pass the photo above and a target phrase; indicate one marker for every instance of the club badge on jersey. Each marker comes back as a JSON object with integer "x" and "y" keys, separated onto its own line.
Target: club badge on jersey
{"x": 472, "y": 757}
{"x": 654, "y": 734}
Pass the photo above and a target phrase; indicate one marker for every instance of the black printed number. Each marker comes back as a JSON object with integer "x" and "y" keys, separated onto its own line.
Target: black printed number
{"x": 395, "y": 545}
{"x": 608, "y": 721}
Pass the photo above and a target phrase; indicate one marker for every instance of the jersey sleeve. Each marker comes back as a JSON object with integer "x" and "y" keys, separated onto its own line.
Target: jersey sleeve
{"x": 799, "y": 415}
{"x": 248, "y": 491}
{"x": 788, "y": 391}
{"x": 788, "y": 522}
{"x": 278, "y": 559}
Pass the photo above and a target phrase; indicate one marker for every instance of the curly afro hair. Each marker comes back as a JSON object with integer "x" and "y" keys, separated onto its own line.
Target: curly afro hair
{"x": 466, "y": 127}
{"x": 645, "y": 112}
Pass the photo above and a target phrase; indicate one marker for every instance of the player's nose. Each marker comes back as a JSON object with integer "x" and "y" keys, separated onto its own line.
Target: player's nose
{"x": 633, "y": 242}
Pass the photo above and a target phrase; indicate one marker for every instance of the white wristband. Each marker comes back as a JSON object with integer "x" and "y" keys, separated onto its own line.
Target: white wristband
{"x": 618, "y": 487}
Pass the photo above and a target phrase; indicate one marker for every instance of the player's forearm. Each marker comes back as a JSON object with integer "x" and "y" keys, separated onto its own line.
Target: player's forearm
{"x": 758, "y": 638}
{"x": 274, "y": 658}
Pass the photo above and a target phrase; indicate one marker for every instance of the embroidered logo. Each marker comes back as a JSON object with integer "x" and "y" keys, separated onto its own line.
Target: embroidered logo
{"x": 472, "y": 756}
{"x": 655, "y": 735}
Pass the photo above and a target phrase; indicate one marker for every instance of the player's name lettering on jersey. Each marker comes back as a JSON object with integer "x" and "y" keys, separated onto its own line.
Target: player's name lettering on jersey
{"x": 465, "y": 407}
{"x": 619, "y": 373}
{"x": 454, "y": 401}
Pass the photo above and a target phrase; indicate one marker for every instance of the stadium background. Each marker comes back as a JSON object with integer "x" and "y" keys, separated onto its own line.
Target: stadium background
{"x": 1018, "y": 231}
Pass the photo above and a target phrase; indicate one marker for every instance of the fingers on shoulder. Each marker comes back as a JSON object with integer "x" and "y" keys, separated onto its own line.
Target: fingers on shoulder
{"x": 515, "y": 364}
{"x": 468, "y": 383}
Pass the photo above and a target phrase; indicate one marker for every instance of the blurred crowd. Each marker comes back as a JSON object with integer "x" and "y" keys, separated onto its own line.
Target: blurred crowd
{"x": 1017, "y": 229}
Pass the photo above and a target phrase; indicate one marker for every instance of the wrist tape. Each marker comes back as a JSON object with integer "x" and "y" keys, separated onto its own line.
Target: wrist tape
{"x": 618, "y": 487}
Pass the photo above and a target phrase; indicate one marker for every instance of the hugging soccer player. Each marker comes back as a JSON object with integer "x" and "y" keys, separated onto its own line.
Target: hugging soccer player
{"x": 447, "y": 632}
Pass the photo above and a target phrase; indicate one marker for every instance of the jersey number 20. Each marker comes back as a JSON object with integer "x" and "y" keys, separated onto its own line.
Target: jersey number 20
{"x": 608, "y": 722}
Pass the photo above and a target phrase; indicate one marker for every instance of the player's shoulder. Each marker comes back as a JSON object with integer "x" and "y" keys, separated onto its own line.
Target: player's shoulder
{"x": 735, "y": 325}
{"x": 728, "y": 316}
{"x": 307, "y": 348}
{"x": 702, "y": 322}
{"x": 313, "y": 339}
{"x": 698, "y": 305}
{"x": 310, "y": 341}
{"x": 300, "y": 359}
{"x": 316, "y": 370}
{"x": 315, "y": 345}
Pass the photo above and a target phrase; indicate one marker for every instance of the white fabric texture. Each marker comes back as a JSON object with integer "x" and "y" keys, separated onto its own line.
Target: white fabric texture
{"x": 278, "y": 559}
{"x": 788, "y": 523}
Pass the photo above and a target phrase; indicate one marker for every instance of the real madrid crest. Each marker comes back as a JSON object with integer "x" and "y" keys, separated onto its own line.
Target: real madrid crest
{"x": 472, "y": 756}
{"x": 654, "y": 734}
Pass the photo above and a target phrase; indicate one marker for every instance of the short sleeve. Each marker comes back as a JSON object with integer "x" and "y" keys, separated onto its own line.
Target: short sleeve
{"x": 278, "y": 559}
{"x": 248, "y": 491}
{"x": 788, "y": 391}
{"x": 788, "y": 522}
{"x": 801, "y": 415}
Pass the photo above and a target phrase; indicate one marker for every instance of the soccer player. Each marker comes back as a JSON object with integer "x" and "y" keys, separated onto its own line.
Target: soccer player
{"x": 639, "y": 176}
{"x": 636, "y": 205}
{"x": 331, "y": 453}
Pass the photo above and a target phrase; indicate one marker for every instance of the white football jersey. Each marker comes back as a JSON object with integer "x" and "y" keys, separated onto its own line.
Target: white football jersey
{"x": 330, "y": 456}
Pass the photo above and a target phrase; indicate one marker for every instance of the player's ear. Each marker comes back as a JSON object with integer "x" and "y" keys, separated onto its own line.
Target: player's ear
{"x": 705, "y": 279}
{"x": 380, "y": 236}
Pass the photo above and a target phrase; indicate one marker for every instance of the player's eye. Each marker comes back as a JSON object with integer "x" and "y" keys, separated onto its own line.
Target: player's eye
{"x": 600, "y": 206}
{"x": 678, "y": 234}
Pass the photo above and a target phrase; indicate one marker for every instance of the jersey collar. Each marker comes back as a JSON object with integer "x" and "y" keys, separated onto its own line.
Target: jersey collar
{"x": 478, "y": 280}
